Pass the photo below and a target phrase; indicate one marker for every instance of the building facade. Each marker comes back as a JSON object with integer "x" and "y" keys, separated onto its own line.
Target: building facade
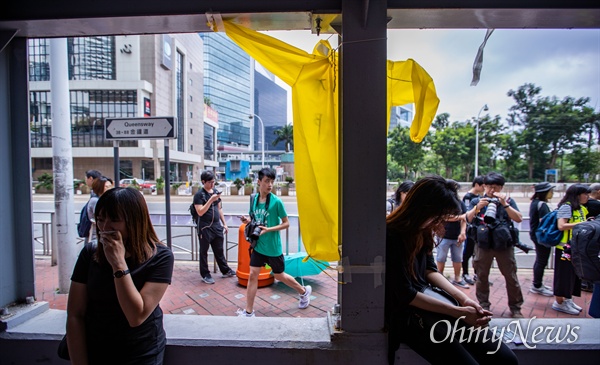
{"x": 401, "y": 116}
{"x": 123, "y": 77}
{"x": 227, "y": 88}
{"x": 270, "y": 104}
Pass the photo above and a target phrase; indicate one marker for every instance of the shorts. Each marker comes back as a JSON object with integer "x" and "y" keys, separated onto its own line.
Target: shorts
{"x": 277, "y": 264}
{"x": 456, "y": 251}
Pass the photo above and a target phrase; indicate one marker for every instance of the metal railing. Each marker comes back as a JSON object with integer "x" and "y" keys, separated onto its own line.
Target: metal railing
{"x": 182, "y": 226}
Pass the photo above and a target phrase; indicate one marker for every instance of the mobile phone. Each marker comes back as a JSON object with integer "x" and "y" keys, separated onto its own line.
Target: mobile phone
{"x": 218, "y": 192}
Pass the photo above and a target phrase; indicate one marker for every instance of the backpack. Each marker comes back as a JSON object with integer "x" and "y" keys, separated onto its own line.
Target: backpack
{"x": 392, "y": 204}
{"x": 194, "y": 213}
{"x": 585, "y": 250}
{"x": 84, "y": 225}
{"x": 547, "y": 233}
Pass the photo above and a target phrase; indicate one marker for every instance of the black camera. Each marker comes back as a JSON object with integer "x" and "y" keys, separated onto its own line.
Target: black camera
{"x": 523, "y": 247}
{"x": 492, "y": 208}
{"x": 253, "y": 232}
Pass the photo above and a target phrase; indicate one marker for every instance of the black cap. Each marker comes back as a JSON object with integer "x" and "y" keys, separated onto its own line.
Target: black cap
{"x": 544, "y": 186}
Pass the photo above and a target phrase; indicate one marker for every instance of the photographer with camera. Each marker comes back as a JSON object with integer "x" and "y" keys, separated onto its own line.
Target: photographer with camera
{"x": 492, "y": 215}
{"x": 211, "y": 227}
{"x": 268, "y": 211}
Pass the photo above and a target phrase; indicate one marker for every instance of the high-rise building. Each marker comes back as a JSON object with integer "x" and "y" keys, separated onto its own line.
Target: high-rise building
{"x": 270, "y": 104}
{"x": 122, "y": 77}
{"x": 401, "y": 116}
{"x": 227, "y": 88}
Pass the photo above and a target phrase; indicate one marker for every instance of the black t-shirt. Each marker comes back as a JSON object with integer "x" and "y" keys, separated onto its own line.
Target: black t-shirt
{"x": 400, "y": 287}
{"x": 452, "y": 229}
{"x": 210, "y": 219}
{"x": 468, "y": 197}
{"x": 501, "y": 213}
{"x": 110, "y": 339}
{"x": 535, "y": 215}
{"x": 593, "y": 207}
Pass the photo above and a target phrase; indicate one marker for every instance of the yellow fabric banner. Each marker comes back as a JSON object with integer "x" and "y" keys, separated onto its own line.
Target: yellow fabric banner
{"x": 314, "y": 82}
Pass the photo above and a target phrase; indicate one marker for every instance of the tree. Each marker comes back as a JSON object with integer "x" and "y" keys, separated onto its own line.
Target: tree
{"x": 285, "y": 134}
{"x": 551, "y": 126}
{"x": 448, "y": 144}
{"x": 404, "y": 151}
{"x": 584, "y": 161}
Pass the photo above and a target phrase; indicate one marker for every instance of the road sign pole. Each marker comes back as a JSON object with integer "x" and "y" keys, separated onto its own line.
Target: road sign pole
{"x": 168, "y": 192}
{"x": 116, "y": 164}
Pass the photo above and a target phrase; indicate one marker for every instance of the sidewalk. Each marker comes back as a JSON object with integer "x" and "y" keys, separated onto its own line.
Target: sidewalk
{"x": 189, "y": 295}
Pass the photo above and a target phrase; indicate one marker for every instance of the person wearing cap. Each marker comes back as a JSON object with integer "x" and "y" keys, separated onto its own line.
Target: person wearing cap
{"x": 593, "y": 204}
{"x": 537, "y": 210}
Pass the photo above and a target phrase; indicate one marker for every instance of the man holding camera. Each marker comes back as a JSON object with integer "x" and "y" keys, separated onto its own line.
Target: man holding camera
{"x": 211, "y": 227}
{"x": 492, "y": 215}
{"x": 268, "y": 211}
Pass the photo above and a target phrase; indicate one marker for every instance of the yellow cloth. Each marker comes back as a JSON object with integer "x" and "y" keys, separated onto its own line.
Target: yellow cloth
{"x": 314, "y": 83}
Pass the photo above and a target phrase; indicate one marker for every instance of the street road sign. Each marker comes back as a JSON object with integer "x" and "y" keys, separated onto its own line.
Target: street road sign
{"x": 140, "y": 128}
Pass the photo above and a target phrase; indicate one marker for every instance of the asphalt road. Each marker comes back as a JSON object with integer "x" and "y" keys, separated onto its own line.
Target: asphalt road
{"x": 182, "y": 237}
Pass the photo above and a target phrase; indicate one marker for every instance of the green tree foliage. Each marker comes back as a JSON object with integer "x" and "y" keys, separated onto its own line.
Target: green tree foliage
{"x": 551, "y": 125}
{"x": 285, "y": 134}
{"x": 537, "y": 134}
{"x": 584, "y": 161}
{"x": 404, "y": 151}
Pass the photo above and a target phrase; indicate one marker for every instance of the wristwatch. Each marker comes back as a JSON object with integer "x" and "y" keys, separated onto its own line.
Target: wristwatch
{"x": 120, "y": 273}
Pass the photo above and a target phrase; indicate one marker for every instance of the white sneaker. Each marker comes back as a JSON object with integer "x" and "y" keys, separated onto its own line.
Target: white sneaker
{"x": 565, "y": 308}
{"x": 572, "y": 304}
{"x": 242, "y": 313}
{"x": 542, "y": 290}
{"x": 305, "y": 298}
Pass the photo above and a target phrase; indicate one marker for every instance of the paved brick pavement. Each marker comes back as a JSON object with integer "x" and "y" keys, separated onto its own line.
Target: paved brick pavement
{"x": 189, "y": 295}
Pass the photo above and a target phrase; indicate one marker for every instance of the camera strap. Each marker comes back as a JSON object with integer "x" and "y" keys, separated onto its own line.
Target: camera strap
{"x": 254, "y": 202}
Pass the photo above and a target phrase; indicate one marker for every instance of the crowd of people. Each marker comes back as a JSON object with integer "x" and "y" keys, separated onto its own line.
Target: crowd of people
{"x": 124, "y": 269}
{"x": 484, "y": 230}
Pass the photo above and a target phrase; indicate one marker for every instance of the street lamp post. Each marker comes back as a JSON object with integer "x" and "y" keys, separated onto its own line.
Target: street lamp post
{"x": 262, "y": 138}
{"x": 484, "y": 107}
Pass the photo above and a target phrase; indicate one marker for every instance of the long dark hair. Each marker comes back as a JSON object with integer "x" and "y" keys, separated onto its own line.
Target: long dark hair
{"x": 429, "y": 203}
{"x": 402, "y": 188}
{"x": 129, "y": 205}
{"x": 572, "y": 195}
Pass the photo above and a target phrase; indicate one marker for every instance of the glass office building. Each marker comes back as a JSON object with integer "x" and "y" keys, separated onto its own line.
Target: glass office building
{"x": 270, "y": 104}
{"x": 227, "y": 84}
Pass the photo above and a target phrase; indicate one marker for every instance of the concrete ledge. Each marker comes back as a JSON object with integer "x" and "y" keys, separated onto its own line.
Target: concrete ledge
{"x": 288, "y": 341}
{"x": 21, "y": 313}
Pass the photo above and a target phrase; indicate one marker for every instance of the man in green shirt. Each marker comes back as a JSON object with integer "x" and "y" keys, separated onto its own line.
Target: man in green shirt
{"x": 268, "y": 210}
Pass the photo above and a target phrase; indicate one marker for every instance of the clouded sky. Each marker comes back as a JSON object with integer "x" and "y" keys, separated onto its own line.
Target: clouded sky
{"x": 561, "y": 62}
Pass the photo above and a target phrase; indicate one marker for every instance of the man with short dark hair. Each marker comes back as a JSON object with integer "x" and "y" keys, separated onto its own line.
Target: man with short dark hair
{"x": 593, "y": 204}
{"x": 268, "y": 210}
{"x": 211, "y": 227}
{"x": 469, "y": 249}
{"x": 494, "y": 240}
{"x": 90, "y": 176}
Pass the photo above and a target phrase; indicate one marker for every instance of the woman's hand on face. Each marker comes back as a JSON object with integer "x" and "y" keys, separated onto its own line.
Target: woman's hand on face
{"x": 114, "y": 250}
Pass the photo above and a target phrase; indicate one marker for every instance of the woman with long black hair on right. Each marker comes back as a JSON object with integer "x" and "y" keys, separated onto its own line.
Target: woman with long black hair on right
{"x": 411, "y": 272}
{"x": 571, "y": 211}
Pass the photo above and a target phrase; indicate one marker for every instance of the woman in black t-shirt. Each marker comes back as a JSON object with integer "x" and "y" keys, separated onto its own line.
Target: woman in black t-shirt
{"x": 537, "y": 210}
{"x": 410, "y": 268}
{"x": 113, "y": 316}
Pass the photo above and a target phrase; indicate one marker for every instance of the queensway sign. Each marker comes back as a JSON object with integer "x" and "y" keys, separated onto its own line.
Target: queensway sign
{"x": 140, "y": 128}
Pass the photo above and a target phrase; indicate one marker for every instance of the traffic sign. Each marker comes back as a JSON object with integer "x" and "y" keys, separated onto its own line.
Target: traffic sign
{"x": 140, "y": 128}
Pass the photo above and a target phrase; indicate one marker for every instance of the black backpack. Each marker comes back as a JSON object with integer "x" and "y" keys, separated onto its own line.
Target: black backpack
{"x": 194, "y": 213}
{"x": 84, "y": 225}
{"x": 585, "y": 250}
